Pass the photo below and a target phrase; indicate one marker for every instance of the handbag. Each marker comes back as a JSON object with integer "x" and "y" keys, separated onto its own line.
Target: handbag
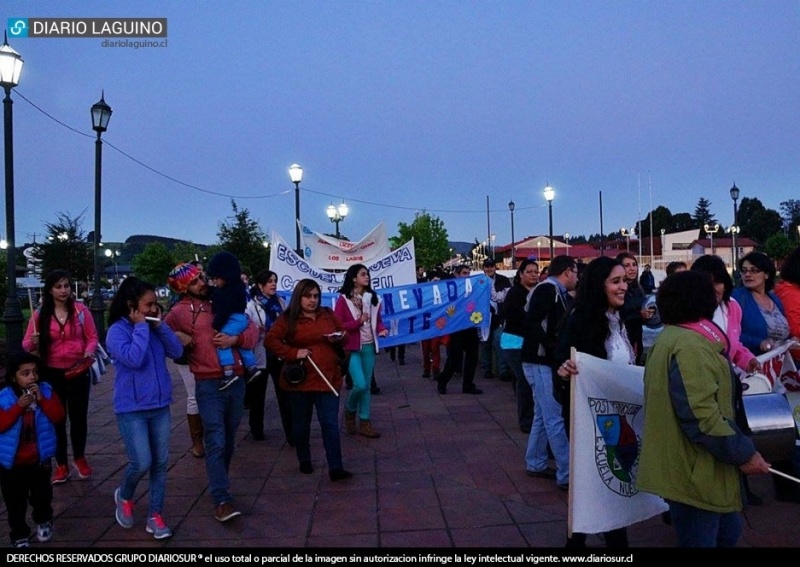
{"x": 80, "y": 367}
{"x": 294, "y": 372}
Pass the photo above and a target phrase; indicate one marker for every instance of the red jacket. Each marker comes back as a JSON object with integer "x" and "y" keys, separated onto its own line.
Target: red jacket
{"x": 193, "y": 317}
{"x": 309, "y": 333}
{"x": 789, "y": 294}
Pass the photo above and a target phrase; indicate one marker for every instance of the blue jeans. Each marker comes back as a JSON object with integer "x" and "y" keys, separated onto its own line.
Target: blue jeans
{"x": 327, "y": 404}
{"x": 362, "y": 363}
{"x": 236, "y": 324}
{"x": 221, "y": 413}
{"x": 146, "y": 437}
{"x": 701, "y": 528}
{"x": 548, "y": 424}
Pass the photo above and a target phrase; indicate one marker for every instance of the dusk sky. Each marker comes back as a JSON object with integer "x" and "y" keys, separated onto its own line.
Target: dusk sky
{"x": 397, "y": 107}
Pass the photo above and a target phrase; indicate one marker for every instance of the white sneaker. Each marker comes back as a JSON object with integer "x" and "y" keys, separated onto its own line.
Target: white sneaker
{"x": 44, "y": 531}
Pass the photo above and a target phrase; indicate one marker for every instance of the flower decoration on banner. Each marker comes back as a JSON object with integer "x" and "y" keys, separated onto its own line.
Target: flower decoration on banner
{"x": 451, "y": 310}
{"x": 470, "y": 307}
{"x": 476, "y": 317}
{"x": 441, "y": 323}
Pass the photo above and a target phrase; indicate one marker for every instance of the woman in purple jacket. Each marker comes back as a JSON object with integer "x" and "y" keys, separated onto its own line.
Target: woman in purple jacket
{"x": 139, "y": 345}
{"x": 358, "y": 308}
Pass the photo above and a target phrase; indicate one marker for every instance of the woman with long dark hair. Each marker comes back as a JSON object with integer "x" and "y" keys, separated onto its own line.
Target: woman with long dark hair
{"x": 139, "y": 344}
{"x": 264, "y": 308}
{"x": 595, "y": 327}
{"x": 63, "y": 333}
{"x": 511, "y": 340}
{"x": 306, "y": 330}
{"x": 358, "y": 308}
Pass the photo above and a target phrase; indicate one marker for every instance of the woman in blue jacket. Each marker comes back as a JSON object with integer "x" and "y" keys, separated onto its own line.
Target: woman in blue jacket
{"x": 139, "y": 345}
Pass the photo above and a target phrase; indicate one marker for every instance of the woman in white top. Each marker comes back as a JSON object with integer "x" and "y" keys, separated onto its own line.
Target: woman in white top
{"x": 263, "y": 309}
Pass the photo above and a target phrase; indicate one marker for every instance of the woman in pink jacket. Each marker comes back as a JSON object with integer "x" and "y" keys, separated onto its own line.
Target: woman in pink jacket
{"x": 62, "y": 331}
{"x": 358, "y": 308}
{"x": 728, "y": 315}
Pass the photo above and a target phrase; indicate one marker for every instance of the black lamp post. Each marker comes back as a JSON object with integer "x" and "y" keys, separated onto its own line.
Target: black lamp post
{"x": 10, "y": 70}
{"x": 101, "y": 114}
{"x": 549, "y": 195}
{"x": 337, "y": 215}
{"x": 113, "y": 255}
{"x": 296, "y": 175}
{"x": 735, "y": 197}
{"x": 511, "y": 207}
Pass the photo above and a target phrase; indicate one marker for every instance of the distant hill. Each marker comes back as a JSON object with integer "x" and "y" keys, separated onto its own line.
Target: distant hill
{"x": 463, "y": 248}
{"x": 136, "y": 243}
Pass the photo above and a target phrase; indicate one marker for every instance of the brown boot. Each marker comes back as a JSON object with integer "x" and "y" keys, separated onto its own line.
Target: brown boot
{"x": 350, "y": 422}
{"x": 196, "y": 432}
{"x": 366, "y": 430}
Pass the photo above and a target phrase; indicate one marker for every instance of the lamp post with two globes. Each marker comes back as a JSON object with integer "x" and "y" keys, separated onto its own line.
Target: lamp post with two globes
{"x": 337, "y": 215}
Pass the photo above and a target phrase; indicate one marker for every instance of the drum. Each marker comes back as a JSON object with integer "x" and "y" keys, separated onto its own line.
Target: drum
{"x": 772, "y": 426}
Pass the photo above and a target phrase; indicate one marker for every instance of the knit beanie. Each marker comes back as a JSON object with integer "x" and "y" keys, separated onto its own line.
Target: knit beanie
{"x": 181, "y": 276}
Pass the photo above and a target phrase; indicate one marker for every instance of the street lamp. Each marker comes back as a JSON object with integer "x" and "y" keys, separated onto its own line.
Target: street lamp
{"x": 539, "y": 251}
{"x": 337, "y": 215}
{"x": 627, "y": 233}
{"x": 511, "y": 207}
{"x": 734, "y": 230}
{"x": 101, "y": 114}
{"x": 735, "y": 197}
{"x": 566, "y": 237}
{"x": 10, "y": 70}
{"x": 113, "y": 255}
{"x": 711, "y": 231}
{"x": 549, "y": 195}
{"x": 296, "y": 175}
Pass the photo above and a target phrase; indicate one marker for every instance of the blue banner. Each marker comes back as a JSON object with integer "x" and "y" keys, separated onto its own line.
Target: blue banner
{"x": 422, "y": 311}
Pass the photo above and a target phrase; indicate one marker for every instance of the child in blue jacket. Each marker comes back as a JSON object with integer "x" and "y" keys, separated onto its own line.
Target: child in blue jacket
{"x": 28, "y": 411}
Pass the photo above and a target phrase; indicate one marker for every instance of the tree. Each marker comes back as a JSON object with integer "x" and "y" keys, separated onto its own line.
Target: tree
{"x": 681, "y": 222}
{"x": 244, "y": 238}
{"x": 662, "y": 218}
{"x": 757, "y": 221}
{"x": 790, "y": 210}
{"x": 65, "y": 248}
{"x": 431, "y": 245}
{"x": 187, "y": 251}
{"x": 778, "y": 246}
{"x": 154, "y": 264}
{"x": 702, "y": 214}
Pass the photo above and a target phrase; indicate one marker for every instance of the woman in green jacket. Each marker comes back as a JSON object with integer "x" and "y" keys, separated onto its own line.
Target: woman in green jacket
{"x": 693, "y": 451}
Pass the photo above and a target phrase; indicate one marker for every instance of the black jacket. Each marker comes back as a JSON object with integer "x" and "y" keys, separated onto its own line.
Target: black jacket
{"x": 547, "y": 309}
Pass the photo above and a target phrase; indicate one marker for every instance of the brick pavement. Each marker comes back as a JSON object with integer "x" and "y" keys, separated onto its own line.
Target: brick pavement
{"x": 447, "y": 472}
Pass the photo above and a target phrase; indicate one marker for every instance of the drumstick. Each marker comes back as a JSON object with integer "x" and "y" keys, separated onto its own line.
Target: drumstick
{"x": 314, "y": 364}
{"x": 784, "y": 475}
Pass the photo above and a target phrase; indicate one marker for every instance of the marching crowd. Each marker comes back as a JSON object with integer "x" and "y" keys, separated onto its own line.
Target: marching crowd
{"x": 230, "y": 341}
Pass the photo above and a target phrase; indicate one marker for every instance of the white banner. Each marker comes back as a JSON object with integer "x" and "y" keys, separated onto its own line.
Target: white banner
{"x": 330, "y": 253}
{"x": 395, "y": 269}
{"x": 606, "y": 424}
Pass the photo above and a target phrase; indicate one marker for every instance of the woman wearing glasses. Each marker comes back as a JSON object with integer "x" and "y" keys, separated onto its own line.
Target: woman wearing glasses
{"x": 764, "y": 325}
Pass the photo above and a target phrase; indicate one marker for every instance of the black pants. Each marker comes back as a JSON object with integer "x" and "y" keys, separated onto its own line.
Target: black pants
{"x": 74, "y": 394}
{"x": 464, "y": 346}
{"x": 21, "y": 485}
{"x": 256, "y": 392}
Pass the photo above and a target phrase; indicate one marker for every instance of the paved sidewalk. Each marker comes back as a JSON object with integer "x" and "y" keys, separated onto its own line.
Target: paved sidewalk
{"x": 448, "y": 471}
